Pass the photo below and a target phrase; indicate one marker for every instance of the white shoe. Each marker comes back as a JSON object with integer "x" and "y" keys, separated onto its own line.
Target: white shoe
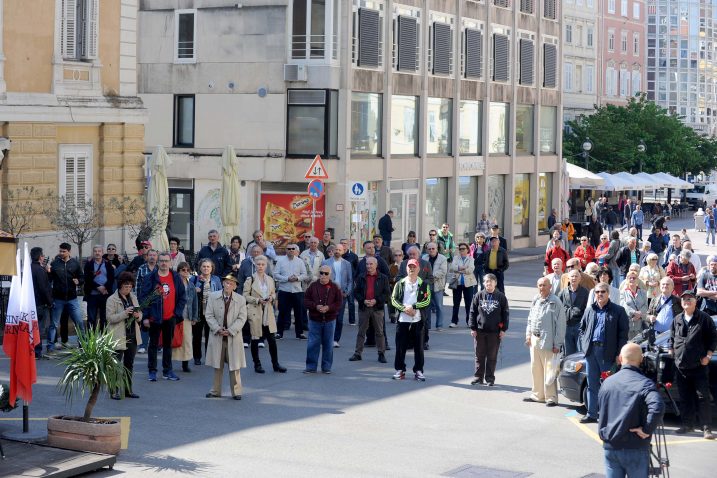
{"x": 452, "y": 325}
{"x": 419, "y": 376}
{"x": 246, "y": 345}
{"x": 336, "y": 344}
{"x": 261, "y": 345}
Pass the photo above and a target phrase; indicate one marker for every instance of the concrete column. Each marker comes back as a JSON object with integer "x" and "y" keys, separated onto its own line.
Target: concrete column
{"x": 3, "y": 86}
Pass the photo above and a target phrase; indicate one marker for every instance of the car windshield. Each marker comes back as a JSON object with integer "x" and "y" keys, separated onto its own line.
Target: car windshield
{"x": 662, "y": 339}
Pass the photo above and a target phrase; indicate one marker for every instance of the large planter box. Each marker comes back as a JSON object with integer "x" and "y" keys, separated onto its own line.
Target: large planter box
{"x": 99, "y": 436}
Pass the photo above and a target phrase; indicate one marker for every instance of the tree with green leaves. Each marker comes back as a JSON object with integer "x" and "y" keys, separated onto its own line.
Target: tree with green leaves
{"x": 616, "y": 132}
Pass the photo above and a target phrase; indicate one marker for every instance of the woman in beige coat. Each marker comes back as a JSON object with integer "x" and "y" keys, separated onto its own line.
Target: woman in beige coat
{"x": 120, "y": 307}
{"x": 260, "y": 294}
{"x": 184, "y": 352}
{"x": 225, "y": 314}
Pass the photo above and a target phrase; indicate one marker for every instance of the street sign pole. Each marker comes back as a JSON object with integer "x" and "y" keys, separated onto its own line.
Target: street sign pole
{"x": 313, "y": 216}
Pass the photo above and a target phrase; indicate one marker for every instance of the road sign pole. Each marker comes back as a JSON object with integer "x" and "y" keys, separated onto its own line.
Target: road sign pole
{"x": 313, "y": 216}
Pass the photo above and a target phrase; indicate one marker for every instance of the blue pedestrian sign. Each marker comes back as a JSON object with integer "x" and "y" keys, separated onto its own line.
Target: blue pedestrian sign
{"x": 316, "y": 189}
{"x": 358, "y": 191}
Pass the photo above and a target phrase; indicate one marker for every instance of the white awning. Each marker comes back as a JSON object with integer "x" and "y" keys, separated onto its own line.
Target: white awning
{"x": 615, "y": 183}
{"x": 636, "y": 182}
{"x": 674, "y": 182}
{"x": 657, "y": 182}
{"x": 581, "y": 178}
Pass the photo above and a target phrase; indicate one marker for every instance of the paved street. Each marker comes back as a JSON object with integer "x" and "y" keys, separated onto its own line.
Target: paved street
{"x": 357, "y": 421}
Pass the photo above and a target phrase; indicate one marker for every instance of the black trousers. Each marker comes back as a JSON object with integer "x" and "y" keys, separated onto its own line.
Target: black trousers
{"x": 486, "y": 346}
{"x": 167, "y": 329}
{"x": 289, "y": 301}
{"x": 198, "y": 330}
{"x": 405, "y": 333}
{"x": 694, "y": 388}
{"x": 127, "y": 358}
{"x": 97, "y": 307}
{"x": 269, "y": 337}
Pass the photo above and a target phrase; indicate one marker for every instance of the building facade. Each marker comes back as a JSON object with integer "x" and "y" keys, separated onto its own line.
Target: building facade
{"x": 581, "y": 40}
{"x": 437, "y": 109}
{"x": 621, "y": 55}
{"x": 681, "y": 62}
{"x": 69, "y": 105}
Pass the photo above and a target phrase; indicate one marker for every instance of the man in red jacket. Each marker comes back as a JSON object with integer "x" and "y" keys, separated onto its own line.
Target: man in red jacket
{"x": 322, "y": 300}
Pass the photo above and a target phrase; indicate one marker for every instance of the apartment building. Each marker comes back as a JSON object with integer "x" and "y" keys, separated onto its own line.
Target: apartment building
{"x": 581, "y": 41}
{"x": 437, "y": 109}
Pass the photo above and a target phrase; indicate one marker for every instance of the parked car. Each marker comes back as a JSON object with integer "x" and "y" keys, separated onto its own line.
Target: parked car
{"x": 657, "y": 364}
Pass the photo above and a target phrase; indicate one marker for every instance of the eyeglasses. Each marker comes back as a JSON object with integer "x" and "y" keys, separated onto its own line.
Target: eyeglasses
{"x": 432, "y": 234}
{"x": 324, "y": 273}
{"x": 111, "y": 249}
{"x": 569, "y": 267}
{"x": 165, "y": 260}
{"x": 601, "y": 292}
{"x": 292, "y": 248}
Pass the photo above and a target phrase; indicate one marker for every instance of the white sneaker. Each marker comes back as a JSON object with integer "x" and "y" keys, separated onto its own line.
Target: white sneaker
{"x": 419, "y": 376}
{"x": 142, "y": 350}
{"x": 336, "y": 344}
{"x": 399, "y": 375}
{"x": 246, "y": 345}
{"x": 452, "y": 325}
{"x": 261, "y": 345}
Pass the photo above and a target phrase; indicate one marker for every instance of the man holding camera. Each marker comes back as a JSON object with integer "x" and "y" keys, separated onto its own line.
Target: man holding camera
{"x": 694, "y": 339}
{"x": 630, "y": 410}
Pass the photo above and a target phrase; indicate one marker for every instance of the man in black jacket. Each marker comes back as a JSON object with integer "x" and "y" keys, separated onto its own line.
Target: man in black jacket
{"x": 496, "y": 261}
{"x": 66, "y": 275}
{"x": 385, "y": 227}
{"x": 488, "y": 322}
{"x": 630, "y": 410}
{"x": 353, "y": 260}
{"x": 627, "y": 256}
{"x": 216, "y": 252}
{"x": 43, "y": 293}
{"x": 371, "y": 292}
{"x": 694, "y": 340}
{"x": 99, "y": 277}
{"x": 575, "y": 301}
{"x": 603, "y": 332}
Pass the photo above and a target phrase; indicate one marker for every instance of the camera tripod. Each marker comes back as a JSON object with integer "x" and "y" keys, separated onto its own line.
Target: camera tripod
{"x": 659, "y": 458}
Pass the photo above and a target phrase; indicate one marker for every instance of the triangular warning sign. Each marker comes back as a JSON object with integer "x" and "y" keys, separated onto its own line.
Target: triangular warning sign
{"x": 317, "y": 170}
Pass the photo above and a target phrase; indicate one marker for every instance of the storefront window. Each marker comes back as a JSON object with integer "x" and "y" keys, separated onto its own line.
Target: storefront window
{"x": 366, "y": 123}
{"x": 440, "y": 114}
{"x": 524, "y": 129}
{"x": 548, "y": 115}
{"x": 498, "y": 128}
{"x": 436, "y": 202}
{"x": 466, "y": 210}
{"x": 404, "y": 125}
{"x": 471, "y": 124}
{"x": 364, "y": 218}
{"x": 496, "y": 198}
{"x": 545, "y": 200}
{"x": 521, "y": 205}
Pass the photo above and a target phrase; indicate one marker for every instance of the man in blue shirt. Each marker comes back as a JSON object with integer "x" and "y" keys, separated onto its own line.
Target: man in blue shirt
{"x": 664, "y": 308}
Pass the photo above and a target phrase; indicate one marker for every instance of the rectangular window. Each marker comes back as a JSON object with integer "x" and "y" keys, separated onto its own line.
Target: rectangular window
{"x": 624, "y": 82}
{"x": 545, "y": 199}
{"x": 550, "y": 9}
{"x": 440, "y": 119}
{"x": 635, "y": 10}
{"x": 550, "y": 65}
{"x": 590, "y": 3}
{"x": 465, "y": 209}
{"x": 498, "y": 128}
{"x": 312, "y": 123}
{"x": 636, "y": 82}
{"x": 526, "y": 6}
{"x": 366, "y": 126}
{"x": 369, "y": 38}
{"x": 473, "y": 53}
{"x": 611, "y": 40}
{"x": 568, "y": 77}
{"x": 611, "y": 6}
{"x": 568, "y": 34}
{"x": 441, "y": 49}
{"x": 527, "y": 56}
{"x": 185, "y": 28}
{"x": 314, "y": 29}
{"x": 184, "y": 121}
{"x": 407, "y": 42}
{"x": 75, "y": 173}
{"x": 471, "y": 128}
{"x": 80, "y": 29}
{"x": 548, "y": 117}
{"x": 404, "y": 125}
{"x": 623, "y": 8}
{"x": 521, "y": 205}
{"x": 623, "y": 41}
{"x": 502, "y": 3}
{"x": 501, "y": 57}
{"x": 524, "y": 129}
{"x": 579, "y": 35}
{"x": 436, "y": 202}
{"x": 636, "y": 44}
{"x": 590, "y": 34}
{"x": 610, "y": 86}
{"x": 589, "y": 78}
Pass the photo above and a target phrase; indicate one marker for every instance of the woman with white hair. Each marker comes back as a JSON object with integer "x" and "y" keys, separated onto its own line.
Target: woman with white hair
{"x": 682, "y": 272}
{"x": 634, "y": 301}
{"x": 651, "y": 275}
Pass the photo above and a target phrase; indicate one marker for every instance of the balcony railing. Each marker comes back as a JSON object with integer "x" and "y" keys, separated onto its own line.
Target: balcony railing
{"x": 313, "y": 47}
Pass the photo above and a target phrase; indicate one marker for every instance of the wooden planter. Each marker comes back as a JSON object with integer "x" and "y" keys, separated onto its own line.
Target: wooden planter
{"x": 99, "y": 436}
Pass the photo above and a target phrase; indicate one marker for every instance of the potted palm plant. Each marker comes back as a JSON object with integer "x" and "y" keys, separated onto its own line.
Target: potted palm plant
{"x": 89, "y": 369}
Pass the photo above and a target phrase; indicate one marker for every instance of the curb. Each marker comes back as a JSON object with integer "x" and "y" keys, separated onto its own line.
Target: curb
{"x": 515, "y": 260}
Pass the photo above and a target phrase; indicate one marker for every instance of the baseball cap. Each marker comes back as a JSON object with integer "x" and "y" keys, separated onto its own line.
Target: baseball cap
{"x": 412, "y": 262}
{"x": 688, "y": 293}
{"x": 145, "y": 243}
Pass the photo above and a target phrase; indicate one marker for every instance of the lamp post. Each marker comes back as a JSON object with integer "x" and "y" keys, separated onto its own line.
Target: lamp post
{"x": 641, "y": 149}
{"x": 587, "y": 147}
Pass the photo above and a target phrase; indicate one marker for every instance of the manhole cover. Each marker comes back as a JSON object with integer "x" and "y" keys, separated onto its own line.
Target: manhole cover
{"x": 472, "y": 471}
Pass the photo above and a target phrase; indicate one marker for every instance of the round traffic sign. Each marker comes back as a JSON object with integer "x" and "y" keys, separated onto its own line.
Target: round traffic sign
{"x": 316, "y": 189}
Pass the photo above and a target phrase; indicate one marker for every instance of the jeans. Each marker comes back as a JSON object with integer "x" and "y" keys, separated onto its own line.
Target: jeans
{"x": 289, "y": 301}
{"x": 632, "y": 463}
{"x": 43, "y": 318}
{"x": 639, "y": 231}
{"x": 615, "y": 277}
{"x": 73, "y": 307}
{"x": 409, "y": 332}
{"x": 96, "y": 304}
{"x": 710, "y": 232}
{"x": 479, "y": 277}
{"x": 572, "y": 334}
{"x": 340, "y": 321}
{"x": 595, "y": 366}
{"x": 466, "y": 293}
{"x": 352, "y": 307}
{"x": 321, "y": 339}
{"x": 167, "y": 330}
{"x": 435, "y": 305}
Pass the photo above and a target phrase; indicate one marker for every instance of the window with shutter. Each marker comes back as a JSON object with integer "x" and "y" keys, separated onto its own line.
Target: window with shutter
{"x": 501, "y": 58}
{"x": 473, "y": 53}
{"x": 407, "y": 43}
{"x": 526, "y": 6}
{"x": 369, "y": 26}
{"x": 69, "y": 28}
{"x": 442, "y": 48}
{"x": 76, "y": 173}
{"x": 91, "y": 29}
{"x": 502, "y": 3}
{"x": 526, "y": 62}
{"x": 550, "y": 54}
{"x": 79, "y": 29}
{"x": 549, "y": 9}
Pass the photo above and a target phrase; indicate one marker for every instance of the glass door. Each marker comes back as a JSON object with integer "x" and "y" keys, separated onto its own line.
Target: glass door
{"x": 180, "y": 224}
{"x": 405, "y": 206}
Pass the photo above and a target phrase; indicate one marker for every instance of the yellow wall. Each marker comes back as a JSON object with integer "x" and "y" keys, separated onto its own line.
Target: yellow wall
{"x": 109, "y": 50}
{"x": 28, "y": 30}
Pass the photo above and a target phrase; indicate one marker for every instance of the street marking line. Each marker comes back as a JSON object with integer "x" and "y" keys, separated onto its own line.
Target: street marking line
{"x": 585, "y": 429}
{"x": 689, "y": 440}
{"x": 125, "y": 423}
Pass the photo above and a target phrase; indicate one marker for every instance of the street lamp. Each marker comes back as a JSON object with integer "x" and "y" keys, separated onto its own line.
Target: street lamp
{"x": 587, "y": 147}
{"x": 641, "y": 149}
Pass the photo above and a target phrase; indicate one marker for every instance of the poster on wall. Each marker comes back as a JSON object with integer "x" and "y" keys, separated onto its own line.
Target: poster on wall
{"x": 542, "y": 202}
{"x": 285, "y": 217}
{"x": 521, "y": 209}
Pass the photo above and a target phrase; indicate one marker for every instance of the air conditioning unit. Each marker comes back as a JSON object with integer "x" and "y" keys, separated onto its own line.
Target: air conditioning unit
{"x": 295, "y": 72}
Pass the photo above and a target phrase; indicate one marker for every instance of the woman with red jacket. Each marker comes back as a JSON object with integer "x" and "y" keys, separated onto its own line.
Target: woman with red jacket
{"x": 585, "y": 252}
{"x": 682, "y": 273}
{"x": 602, "y": 253}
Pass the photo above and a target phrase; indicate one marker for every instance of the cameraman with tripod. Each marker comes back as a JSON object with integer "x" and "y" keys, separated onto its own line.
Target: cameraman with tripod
{"x": 631, "y": 409}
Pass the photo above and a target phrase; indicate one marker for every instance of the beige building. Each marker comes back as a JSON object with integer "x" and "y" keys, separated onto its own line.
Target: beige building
{"x": 438, "y": 109}
{"x": 69, "y": 104}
